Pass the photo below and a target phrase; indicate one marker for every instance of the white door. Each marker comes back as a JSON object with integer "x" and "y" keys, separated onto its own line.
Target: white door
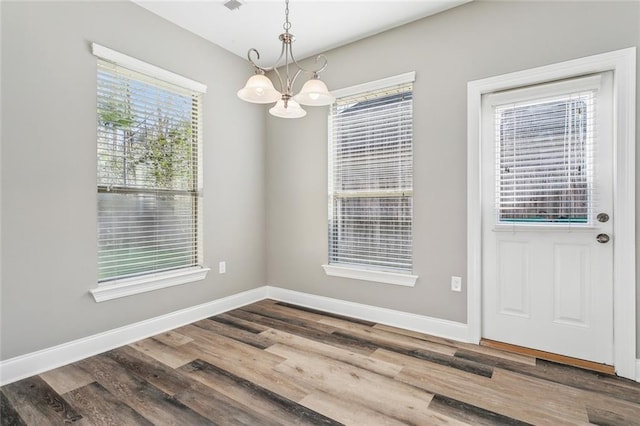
{"x": 547, "y": 216}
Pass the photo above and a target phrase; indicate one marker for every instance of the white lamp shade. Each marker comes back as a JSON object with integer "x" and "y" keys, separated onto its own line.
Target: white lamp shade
{"x": 293, "y": 110}
{"x": 315, "y": 93}
{"x": 259, "y": 90}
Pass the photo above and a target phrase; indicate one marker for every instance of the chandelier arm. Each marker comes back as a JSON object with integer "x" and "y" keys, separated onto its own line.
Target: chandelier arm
{"x": 283, "y": 50}
{"x": 319, "y": 58}
{"x": 293, "y": 80}
{"x": 251, "y": 61}
{"x": 264, "y": 69}
{"x": 274, "y": 68}
{"x": 282, "y": 86}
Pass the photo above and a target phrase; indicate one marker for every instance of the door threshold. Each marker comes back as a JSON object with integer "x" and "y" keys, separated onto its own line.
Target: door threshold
{"x": 548, "y": 356}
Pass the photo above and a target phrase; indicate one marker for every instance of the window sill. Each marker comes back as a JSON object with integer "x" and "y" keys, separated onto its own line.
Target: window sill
{"x": 406, "y": 280}
{"x": 130, "y": 286}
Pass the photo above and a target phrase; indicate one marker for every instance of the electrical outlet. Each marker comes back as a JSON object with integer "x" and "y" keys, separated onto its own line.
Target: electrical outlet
{"x": 222, "y": 267}
{"x": 456, "y": 283}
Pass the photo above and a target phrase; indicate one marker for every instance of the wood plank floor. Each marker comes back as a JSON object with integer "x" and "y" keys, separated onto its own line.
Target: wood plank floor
{"x": 272, "y": 363}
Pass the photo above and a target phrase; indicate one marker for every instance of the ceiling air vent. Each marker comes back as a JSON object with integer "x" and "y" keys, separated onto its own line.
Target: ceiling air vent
{"x": 233, "y": 4}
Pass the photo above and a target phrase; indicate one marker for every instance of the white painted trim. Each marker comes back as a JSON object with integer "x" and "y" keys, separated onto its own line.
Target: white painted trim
{"x": 638, "y": 370}
{"x": 134, "y": 64}
{"x": 37, "y": 362}
{"x": 408, "y": 77}
{"x": 407, "y": 280}
{"x": 33, "y": 363}
{"x": 623, "y": 63}
{"x": 408, "y": 321}
{"x": 130, "y": 286}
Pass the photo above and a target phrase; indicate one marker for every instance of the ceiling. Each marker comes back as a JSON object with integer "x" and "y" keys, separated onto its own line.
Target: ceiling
{"x": 318, "y": 25}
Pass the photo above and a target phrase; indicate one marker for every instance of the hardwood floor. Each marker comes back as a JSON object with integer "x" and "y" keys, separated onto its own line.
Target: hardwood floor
{"x": 272, "y": 363}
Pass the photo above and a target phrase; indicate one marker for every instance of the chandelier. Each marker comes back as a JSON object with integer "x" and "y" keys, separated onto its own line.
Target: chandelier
{"x": 260, "y": 90}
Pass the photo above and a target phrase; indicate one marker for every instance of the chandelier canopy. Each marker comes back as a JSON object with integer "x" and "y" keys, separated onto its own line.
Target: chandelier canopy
{"x": 260, "y": 90}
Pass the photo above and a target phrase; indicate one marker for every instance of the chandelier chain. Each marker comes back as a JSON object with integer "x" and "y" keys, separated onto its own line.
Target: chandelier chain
{"x": 287, "y": 24}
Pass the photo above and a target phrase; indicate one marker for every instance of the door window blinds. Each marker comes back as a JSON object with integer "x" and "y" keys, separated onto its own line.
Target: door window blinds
{"x": 544, "y": 169}
{"x": 371, "y": 179}
{"x": 149, "y": 174}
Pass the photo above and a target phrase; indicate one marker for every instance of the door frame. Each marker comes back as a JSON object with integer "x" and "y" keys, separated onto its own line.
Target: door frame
{"x": 623, "y": 64}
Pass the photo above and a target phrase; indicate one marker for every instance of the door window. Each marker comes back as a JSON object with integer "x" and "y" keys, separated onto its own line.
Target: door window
{"x": 544, "y": 167}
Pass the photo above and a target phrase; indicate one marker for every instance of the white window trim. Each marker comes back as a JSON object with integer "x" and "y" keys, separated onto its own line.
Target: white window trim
{"x": 142, "y": 67}
{"x": 135, "y": 285}
{"x": 129, "y": 286}
{"x": 623, "y": 64}
{"x": 359, "y": 273}
{"x": 408, "y": 77}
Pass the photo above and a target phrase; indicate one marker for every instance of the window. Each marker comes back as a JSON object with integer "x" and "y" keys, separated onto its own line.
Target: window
{"x": 371, "y": 178}
{"x": 149, "y": 174}
{"x": 544, "y": 173}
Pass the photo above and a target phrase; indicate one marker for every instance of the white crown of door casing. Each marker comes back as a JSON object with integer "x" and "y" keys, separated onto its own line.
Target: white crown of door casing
{"x": 623, "y": 64}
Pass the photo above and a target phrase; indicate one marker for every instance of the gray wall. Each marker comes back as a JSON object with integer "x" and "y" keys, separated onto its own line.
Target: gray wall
{"x": 476, "y": 40}
{"x": 49, "y": 259}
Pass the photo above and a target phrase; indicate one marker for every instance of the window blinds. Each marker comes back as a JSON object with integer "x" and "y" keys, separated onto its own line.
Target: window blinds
{"x": 149, "y": 174}
{"x": 545, "y": 159}
{"x": 371, "y": 179}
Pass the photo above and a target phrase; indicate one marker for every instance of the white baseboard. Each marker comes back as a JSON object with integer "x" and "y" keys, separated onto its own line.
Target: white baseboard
{"x": 38, "y": 362}
{"x": 423, "y": 324}
{"x": 33, "y": 363}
